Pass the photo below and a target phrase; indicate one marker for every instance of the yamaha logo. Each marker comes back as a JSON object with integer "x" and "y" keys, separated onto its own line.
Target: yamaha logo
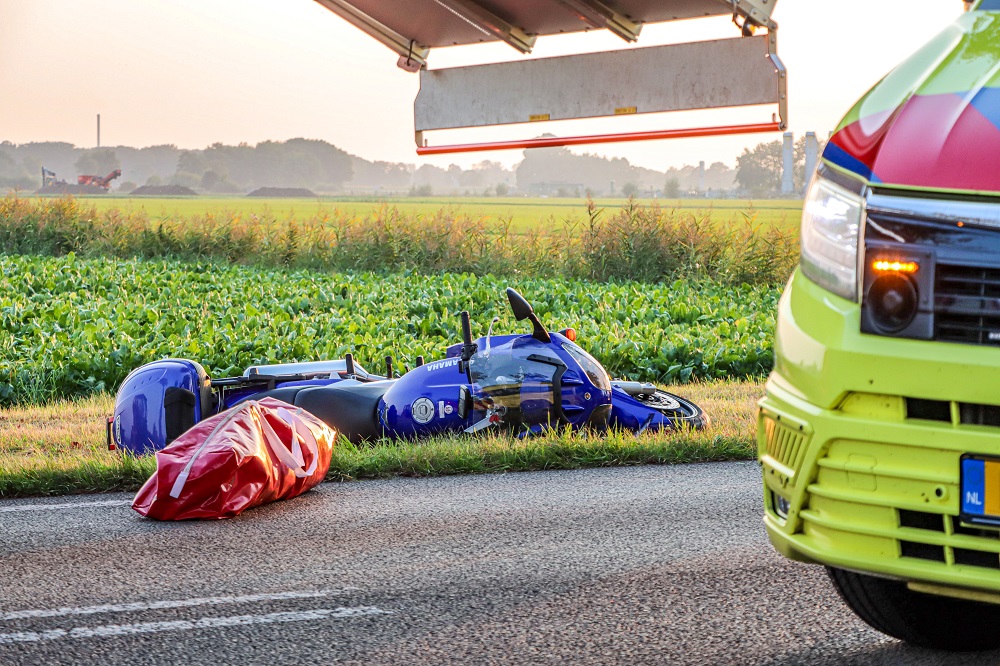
{"x": 438, "y": 365}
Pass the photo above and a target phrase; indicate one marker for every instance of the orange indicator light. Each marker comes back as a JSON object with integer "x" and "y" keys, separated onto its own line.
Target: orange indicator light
{"x": 570, "y": 334}
{"x": 883, "y": 266}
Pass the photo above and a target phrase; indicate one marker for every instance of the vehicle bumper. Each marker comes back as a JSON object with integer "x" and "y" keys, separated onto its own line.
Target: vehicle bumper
{"x": 868, "y": 487}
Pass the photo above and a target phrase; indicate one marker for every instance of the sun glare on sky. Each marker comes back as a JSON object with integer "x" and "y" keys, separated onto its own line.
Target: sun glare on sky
{"x": 192, "y": 73}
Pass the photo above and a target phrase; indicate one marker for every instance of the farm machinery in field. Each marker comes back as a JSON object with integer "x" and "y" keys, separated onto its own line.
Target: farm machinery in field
{"x": 103, "y": 182}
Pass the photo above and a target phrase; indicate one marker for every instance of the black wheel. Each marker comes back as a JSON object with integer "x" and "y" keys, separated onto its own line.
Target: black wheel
{"x": 926, "y": 620}
{"x": 681, "y": 410}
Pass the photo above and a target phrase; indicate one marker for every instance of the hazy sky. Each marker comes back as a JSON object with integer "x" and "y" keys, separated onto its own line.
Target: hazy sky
{"x": 194, "y": 72}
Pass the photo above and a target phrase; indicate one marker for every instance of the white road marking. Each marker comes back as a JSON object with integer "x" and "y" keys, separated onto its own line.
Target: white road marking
{"x": 187, "y": 625}
{"x": 64, "y": 505}
{"x": 169, "y": 603}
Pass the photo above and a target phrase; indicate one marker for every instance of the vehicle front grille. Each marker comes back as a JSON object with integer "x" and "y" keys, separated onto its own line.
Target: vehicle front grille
{"x": 783, "y": 443}
{"x": 967, "y": 304}
{"x": 956, "y": 413}
{"x": 955, "y": 246}
{"x": 948, "y": 553}
{"x": 897, "y": 506}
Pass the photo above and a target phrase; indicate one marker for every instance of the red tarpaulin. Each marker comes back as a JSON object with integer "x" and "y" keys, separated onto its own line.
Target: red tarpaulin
{"x": 255, "y": 453}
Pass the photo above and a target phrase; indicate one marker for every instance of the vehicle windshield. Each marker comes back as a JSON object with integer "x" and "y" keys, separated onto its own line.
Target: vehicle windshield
{"x": 516, "y": 380}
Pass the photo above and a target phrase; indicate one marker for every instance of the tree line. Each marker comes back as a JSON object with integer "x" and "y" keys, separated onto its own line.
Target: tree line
{"x": 325, "y": 168}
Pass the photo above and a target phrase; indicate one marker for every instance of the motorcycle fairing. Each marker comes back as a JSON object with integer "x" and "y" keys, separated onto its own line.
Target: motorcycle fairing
{"x": 425, "y": 400}
{"x": 158, "y": 402}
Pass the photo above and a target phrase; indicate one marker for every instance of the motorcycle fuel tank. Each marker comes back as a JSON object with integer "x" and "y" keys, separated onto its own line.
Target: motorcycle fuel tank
{"x": 429, "y": 399}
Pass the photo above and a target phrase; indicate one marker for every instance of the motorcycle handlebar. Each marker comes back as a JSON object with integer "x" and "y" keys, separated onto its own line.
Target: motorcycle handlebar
{"x": 466, "y": 328}
{"x": 468, "y": 347}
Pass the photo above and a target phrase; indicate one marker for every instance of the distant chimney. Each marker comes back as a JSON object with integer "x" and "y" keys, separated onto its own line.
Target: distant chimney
{"x": 787, "y": 163}
{"x": 812, "y": 155}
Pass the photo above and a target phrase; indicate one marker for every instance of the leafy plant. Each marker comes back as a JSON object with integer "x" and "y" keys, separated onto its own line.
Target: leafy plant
{"x": 71, "y": 326}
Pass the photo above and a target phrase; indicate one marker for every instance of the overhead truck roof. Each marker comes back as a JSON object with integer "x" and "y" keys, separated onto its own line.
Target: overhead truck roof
{"x": 415, "y": 26}
{"x": 721, "y": 73}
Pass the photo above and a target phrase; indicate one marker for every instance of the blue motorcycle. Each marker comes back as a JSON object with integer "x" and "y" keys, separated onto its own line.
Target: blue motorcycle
{"x": 523, "y": 384}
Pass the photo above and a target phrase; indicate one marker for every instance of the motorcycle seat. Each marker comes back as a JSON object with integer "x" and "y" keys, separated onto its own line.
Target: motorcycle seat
{"x": 350, "y": 407}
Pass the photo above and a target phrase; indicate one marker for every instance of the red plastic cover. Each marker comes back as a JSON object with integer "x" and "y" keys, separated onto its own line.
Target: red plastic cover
{"x": 255, "y": 453}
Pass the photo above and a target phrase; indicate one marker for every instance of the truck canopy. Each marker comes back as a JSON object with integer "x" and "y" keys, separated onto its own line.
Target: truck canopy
{"x": 741, "y": 71}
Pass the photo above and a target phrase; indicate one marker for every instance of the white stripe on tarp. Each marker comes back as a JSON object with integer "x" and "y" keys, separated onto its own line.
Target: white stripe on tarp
{"x": 63, "y": 505}
{"x": 181, "y": 480}
{"x": 108, "y": 630}
{"x": 168, "y": 603}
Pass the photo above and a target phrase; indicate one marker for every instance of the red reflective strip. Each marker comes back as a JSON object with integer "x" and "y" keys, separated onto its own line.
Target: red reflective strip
{"x": 553, "y": 142}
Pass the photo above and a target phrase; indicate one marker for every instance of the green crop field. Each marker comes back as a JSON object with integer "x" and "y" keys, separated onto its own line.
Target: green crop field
{"x": 93, "y": 288}
{"x": 524, "y": 213}
{"x": 71, "y": 327}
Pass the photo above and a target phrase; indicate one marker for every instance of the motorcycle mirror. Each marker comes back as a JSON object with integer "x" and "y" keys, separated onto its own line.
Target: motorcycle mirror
{"x": 521, "y": 308}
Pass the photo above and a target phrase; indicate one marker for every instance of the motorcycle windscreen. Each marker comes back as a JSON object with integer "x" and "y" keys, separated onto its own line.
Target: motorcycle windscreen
{"x": 518, "y": 382}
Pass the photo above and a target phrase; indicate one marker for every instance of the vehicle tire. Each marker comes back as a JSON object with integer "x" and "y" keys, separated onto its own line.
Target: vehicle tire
{"x": 682, "y": 411}
{"x": 920, "y": 619}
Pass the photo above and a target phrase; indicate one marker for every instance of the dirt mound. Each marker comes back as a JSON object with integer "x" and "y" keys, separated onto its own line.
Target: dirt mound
{"x": 163, "y": 191}
{"x": 68, "y": 188}
{"x": 287, "y": 192}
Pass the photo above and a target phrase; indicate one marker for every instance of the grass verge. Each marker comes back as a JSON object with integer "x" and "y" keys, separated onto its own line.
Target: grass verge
{"x": 59, "y": 449}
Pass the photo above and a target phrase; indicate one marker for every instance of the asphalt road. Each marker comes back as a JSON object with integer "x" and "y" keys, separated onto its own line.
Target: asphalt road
{"x": 629, "y": 565}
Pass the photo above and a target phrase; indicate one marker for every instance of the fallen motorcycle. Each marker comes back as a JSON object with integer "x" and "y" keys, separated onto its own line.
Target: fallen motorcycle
{"x": 519, "y": 383}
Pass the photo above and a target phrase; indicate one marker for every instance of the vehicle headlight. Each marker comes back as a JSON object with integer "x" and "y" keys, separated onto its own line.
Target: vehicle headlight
{"x": 831, "y": 217}
{"x": 595, "y": 371}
